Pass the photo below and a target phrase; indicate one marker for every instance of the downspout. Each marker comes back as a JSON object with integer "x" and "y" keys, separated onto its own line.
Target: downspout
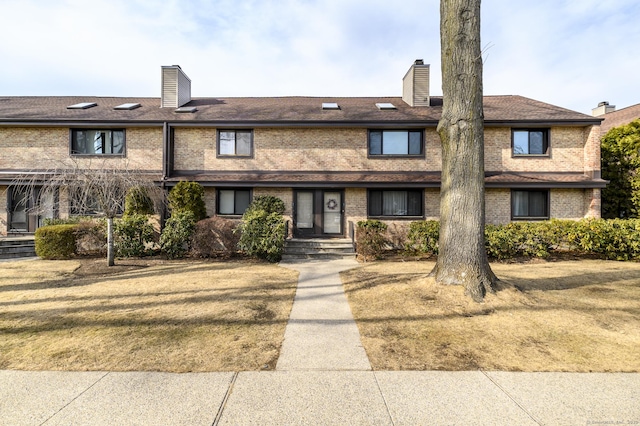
{"x": 167, "y": 165}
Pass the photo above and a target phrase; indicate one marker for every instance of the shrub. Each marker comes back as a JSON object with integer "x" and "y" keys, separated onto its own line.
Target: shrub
{"x": 138, "y": 202}
{"x": 214, "y": 236}
{"x": 55, "y": 241}
{"x": 616, "y": 239}
{"x": 370, "y": 241}
{"x": 71, "y": 220}
{"x": 188, "y": 196}
{"x": 176, "y": 234}
{"x": 132, "y": 235}
{"x": 423, "y": 237}
{"x": 263, "y": 229}
{"x": 91, "y": 236}
{"x": 268, "y": 203}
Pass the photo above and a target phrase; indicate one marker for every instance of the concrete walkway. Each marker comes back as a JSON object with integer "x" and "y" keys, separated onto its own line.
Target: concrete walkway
{"x": 321, "y": 333}
{"x": 323, "y": 377}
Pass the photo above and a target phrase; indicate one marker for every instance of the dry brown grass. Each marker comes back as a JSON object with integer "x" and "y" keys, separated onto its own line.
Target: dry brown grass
{"x": 145, "y": 315}
{"x": 550, "y": 316}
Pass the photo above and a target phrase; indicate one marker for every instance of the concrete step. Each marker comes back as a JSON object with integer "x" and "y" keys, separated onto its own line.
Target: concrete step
{"x": 17, "y": 247}
{"x": 336, "y": 248}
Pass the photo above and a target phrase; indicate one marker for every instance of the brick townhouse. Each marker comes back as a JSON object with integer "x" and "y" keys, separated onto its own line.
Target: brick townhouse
{"x": 333, "y": 161}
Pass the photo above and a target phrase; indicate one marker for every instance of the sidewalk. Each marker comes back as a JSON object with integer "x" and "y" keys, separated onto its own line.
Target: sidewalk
{"x": 323, "y": 377}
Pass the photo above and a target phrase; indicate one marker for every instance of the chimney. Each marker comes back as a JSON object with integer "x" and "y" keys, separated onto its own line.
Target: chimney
{"x": 176, "y": 87}
{"x": 602, "y": 108}
{"x": 415, "y": 84}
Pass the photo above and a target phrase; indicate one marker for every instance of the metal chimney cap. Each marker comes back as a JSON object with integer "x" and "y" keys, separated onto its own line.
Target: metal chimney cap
{"x": 419, "y": 62}
{"x": 603, "y": 103}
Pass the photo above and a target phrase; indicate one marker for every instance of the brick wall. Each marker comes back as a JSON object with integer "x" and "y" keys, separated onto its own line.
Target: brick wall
{"x": 298, "y": 149}
{"x": 567, "y": 151}
{"x": 45, "y": 148}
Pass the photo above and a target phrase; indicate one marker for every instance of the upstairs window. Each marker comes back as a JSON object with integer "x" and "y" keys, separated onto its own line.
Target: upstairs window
{"x": 233, "y": 201}
{"x": 530, "y": 142}
{"x": 97, "y": 142}
{"x": 235, "y": 143}
{"x": 530, "y": 204}
{"x": 395, "y": 203}
{"x": 396, "y": 142}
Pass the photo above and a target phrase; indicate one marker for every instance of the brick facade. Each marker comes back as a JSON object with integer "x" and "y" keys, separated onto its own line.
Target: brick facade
{"x": 286, "y": 146}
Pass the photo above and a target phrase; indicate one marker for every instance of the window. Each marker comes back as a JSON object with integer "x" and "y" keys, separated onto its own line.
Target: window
{"x": 530, "y": 204}
{"x": 395, "y": 203}
{"x": 237, "y": 143}
{"x": 233, "y": 201}
{"x": 530, "y": 142}
{"x": 97, "y": 142}
{"x": 395, "y": 142}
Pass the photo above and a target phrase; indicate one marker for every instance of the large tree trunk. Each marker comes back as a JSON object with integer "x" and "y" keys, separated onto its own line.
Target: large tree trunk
{"x": 462, "y": 257}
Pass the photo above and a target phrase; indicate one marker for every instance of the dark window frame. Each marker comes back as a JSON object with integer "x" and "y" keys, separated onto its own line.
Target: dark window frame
{"x": 421, "y": 154}
{"x": 547, "y": 206}
{"x": 235, "y": 155}
{"x": 371, "y": 213}
{"x": 73, "y": 138}
{"x": 235, "y": 190}
{"x": 546, "y": 142}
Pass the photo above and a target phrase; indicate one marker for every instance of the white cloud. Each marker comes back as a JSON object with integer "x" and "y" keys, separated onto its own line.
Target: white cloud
{"x": 571, "y": 53}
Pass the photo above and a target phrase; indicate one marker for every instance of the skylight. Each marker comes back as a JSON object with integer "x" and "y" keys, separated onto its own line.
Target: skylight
{"x": 129, "y": 106}
{"x": 186, "y": 109}
{"x": 330, "y": 105}
{"x": 385, "y": 105}
{"x": 82, "y": 105}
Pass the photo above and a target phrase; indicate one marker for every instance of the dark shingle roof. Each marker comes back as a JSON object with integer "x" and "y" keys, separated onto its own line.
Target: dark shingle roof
{"x": 386, "y": 179}
{"x": 276, "y": 110}
{"x": 619, "y": 117}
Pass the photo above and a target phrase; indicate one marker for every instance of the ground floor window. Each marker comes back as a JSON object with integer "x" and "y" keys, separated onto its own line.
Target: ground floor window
{"x": 395, "y": 203}
{"x": 233, "y": 201}
{"x": 532, "y": 204}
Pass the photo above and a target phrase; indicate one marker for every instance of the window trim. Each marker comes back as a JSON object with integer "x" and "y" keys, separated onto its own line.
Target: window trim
{"x": 250, "y": 190}
{"x": 532, "y": 218}
{"x": 546, "y": 139}
{"x": 80, "y": 154}
{"x": 396, "y": 217}
{"x": 382, "y": 131}
{"x": 219, "y": 155}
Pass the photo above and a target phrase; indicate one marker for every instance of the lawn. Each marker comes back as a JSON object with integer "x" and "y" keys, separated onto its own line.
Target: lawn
{"x": 581, "y": 315}
{"x": 143, "y": 315}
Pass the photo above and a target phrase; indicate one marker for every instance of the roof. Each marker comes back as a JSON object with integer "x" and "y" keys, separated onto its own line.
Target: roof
{"x": 619, "y": 117}
{"x": 302, "y": 111}
{"x": 375, "y": 179}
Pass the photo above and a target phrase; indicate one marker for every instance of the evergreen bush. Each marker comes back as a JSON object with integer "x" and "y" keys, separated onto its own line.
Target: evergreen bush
{"x": 188, "y": 196}
{"x": 138, "y": 202}
{"x": 263, "y": 229}
{"x": 177, "y": 232}
{"x": 133, "y": 235}
{"x": 423, "y": 237}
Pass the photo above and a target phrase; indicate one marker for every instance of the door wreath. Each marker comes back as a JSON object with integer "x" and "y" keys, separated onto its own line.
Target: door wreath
{"x": 332, "y": 204}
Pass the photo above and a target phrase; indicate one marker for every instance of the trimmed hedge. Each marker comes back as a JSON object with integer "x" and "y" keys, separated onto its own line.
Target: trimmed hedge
{"x": 214, "y": 237}
{"x": 617, "y": 239}
{"x": 55, "y": 241}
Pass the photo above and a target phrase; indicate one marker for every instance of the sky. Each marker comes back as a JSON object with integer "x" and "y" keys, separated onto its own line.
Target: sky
{"x": 570, "y": 53}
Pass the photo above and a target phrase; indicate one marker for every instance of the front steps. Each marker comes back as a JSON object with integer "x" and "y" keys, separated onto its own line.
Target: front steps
{"x": 318, "y": 248}
{"x": 15, "y": 247}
